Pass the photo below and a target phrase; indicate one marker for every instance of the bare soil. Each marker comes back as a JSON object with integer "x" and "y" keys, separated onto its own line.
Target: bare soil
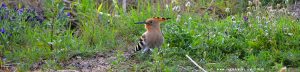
{"x": 101, "y": 62}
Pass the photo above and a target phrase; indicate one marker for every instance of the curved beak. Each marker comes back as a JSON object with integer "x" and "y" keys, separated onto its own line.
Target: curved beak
{"x": 140, "y": 23}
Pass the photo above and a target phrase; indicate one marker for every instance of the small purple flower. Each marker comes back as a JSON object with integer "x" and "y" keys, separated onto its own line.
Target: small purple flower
{"x": 69, "y": 14}
{"x": 3, "y": 30}
{"x": 245, "y": 18}
{"x": 4, "y": 6}
{"x": 21, "y": 10}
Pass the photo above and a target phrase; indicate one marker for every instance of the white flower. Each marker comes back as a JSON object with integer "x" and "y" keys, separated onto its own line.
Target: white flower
{"x": 227, "y": 10}
{"x": 108, "y": 14}
{"x": 117, "y": 15}
{"x": 173, "y": 1}
{"x": 264, "y": 18}
{"x": 278, "y": 5}
{"x": 101, "y": 13}
{"x": 234, "y": 22}
{"x": 115, "y": 1}
{"x": 249, "y": 13}
{"x": 286, "y": 1}
{"x": 190, "y": 18}
{"x": 176, "y": 8}
{"x": 293, "y": 13}
{"x": 185, "y": 23}
{"x": 249, "y": 3}
{"x": 248, "y": 8}
{"x": 50, "y": 43}
{"x": 211, "y": 19}
{"x": 167, "y": 6}
{"x": 258, "y": 18}
{"x": 233, "y": 18}
{"x": 188, "y": 4}
{"x": 290, "y": 34}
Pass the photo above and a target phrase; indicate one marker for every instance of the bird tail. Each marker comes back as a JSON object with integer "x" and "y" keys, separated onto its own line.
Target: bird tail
{"x": 140, "y": 45}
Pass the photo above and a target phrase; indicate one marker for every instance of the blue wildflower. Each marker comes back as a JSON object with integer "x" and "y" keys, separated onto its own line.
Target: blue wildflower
{"x": 21, "y": 10}
{"x": 3, "y": 30}
{"x": 4, "y": 6}
{"x": 245, "y": 18}
{"x": 69, "y": 14}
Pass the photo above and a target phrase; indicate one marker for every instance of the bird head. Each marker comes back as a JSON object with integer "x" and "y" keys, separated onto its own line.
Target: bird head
{"x": 153, "y": 22}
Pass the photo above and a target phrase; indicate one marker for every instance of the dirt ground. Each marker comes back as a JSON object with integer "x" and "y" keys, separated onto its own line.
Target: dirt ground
{"x": 98, "y": 63}
{"x": 101, "y": 62}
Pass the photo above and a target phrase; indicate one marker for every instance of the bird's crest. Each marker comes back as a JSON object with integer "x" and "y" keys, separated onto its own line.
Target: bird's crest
{"x": 161, "y": 18}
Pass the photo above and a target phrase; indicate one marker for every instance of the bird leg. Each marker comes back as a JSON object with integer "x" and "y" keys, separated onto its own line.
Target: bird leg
{"x": 146, "y": 49}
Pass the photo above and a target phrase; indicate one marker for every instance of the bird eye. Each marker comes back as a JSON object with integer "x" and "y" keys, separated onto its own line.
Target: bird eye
{"x": 150, "y": 22}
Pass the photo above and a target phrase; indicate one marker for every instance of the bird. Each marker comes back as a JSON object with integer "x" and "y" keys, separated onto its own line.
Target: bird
{"x": 153, "y": 37}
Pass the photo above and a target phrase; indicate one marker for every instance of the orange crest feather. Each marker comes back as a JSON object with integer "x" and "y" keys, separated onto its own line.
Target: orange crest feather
{"x": 161, "y": 18}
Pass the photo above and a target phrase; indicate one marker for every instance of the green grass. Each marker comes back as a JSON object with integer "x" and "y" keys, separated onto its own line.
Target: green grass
{"x": 263, "y": 45}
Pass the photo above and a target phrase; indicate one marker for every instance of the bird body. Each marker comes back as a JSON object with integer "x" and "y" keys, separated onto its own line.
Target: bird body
{"x": 153, "y": 37}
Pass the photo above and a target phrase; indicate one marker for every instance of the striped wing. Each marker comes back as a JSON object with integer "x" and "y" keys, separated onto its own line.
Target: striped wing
{"x": 141, "y": 43}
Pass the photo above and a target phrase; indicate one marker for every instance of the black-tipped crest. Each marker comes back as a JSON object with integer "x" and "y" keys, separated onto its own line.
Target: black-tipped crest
{"x": 161, "y": 18}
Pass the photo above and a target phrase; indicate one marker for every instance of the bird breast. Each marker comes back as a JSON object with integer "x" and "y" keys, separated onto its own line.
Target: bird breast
{"x": 154, "y": 39}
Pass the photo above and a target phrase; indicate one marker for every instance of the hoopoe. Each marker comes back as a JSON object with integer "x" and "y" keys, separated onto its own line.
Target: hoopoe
{"x": 153, "y": 37}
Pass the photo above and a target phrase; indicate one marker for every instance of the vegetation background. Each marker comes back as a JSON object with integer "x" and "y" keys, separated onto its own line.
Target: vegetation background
{"x": 96, "y": 35}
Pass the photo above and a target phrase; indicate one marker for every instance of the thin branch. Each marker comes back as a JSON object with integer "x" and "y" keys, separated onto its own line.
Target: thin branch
{"x": 195, "y": 63}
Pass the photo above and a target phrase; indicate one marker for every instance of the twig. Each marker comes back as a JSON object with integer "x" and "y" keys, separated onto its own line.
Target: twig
{"x": 195, "y": 63}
